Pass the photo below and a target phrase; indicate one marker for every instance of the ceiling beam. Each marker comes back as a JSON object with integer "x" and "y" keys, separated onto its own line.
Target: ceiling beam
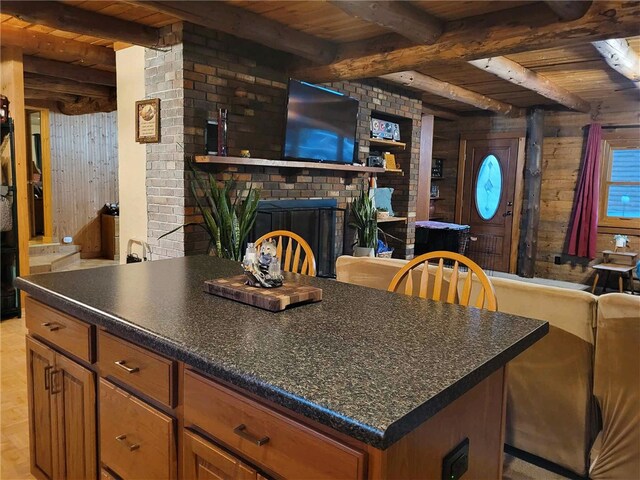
{"x": 32, "y": 94}
{"x": 570, "y": 9}
{"x": 515, "y": 73}
{"x": 400, "y": 17}
{"x": 453, "y": 92}
{"x": 68, "y": 71}
{"x": 439, "y": 112}
{"x": 60, "y": 85}
{"x": 57, "y": 48}
{"x": 84, "y": 105}
{"x": 501, "y": 33}
{"x": 621, "y": 57}
{"x": 84, "y": 22}
{"x": 248, "y": 25}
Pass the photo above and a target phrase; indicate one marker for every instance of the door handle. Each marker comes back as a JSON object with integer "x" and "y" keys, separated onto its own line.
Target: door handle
{"x": 508, "y": 213}
{"x": 47, "y": 379}
{"x": 52, "y": 380}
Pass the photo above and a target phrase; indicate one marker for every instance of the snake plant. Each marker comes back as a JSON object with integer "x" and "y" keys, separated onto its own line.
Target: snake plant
{"x": 364, "y": 220}
{"x": 228, "y": 222}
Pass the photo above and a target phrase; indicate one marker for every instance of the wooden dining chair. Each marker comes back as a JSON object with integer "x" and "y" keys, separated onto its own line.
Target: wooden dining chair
{"x": 301, "y": 260}
{"x": 486, "y": 297}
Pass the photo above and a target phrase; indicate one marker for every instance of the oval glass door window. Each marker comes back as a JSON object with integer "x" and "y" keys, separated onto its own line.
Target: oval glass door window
{"x": 488, "y": 187}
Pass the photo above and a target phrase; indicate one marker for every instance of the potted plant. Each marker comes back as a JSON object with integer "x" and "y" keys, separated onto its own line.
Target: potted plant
{"x": 382, "y": 213}
{"x": 364, "y": 220}
{"x": 228, "y": 222}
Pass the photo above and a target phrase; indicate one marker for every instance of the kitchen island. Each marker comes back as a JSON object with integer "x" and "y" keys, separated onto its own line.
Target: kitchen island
{"x": 364, "y": 384}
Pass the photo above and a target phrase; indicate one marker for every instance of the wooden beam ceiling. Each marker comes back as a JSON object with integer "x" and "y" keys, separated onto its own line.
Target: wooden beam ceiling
{"x": 570, "y": 9}
{"x": 84, "y": 105}
{"x": 506, "y": 32}
{"x": 248, "y": 25}
{"x": 400, "y": 17}
{"x": 68, "y": 71}
{"x": 71, "y": 19}
{"x": 57, "y": 48}
{"x": 60, "y": 85}
{"x": 621, "y": 57}
{"x": 437, "y": 87}
{"x": 515, "y": 73}
{"x": 33, "y": 94}
{"x": 439, "y": 112}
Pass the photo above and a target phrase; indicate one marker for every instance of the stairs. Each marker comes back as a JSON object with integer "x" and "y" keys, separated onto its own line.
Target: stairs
{"x": 49, "y": 257}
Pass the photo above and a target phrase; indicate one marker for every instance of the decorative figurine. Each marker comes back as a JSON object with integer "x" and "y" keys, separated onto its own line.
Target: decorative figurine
{"x": 262, "y": 270}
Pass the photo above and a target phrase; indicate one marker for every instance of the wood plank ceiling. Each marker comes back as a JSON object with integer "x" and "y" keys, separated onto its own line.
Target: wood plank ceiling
{"x": 366, "y": 37}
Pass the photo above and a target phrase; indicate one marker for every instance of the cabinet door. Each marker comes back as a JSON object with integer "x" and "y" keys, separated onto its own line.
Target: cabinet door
{"x": 205, "y": 461}
{"x": 40, "y": 361}
{"x": 73, "y": 390}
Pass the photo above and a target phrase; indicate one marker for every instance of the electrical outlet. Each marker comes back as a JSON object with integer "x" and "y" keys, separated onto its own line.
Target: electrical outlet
{"x": 456, "y": 462}
{"x": 557, "y": 260}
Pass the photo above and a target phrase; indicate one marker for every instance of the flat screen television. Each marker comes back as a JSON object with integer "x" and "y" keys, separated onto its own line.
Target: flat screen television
{"x": 321, "y": 124}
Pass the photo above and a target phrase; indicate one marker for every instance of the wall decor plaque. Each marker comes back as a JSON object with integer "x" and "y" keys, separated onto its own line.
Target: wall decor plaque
{"x": 148, "y": 120}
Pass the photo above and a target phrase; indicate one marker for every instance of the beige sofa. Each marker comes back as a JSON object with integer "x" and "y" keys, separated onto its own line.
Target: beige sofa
{"x": 551, "y": 410}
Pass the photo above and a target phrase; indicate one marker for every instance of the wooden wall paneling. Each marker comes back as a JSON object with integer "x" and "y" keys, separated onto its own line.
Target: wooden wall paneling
{"x": 517, "y": 206}
{"x": 84, "y": 170}
{"x": 12, "y": 86}
{"x": 424, "y": 170}
{"x": 45, "y": 138}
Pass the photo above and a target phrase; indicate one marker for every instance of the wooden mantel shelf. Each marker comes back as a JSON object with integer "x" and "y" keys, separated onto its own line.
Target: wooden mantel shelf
{"x": 263, "y": 162}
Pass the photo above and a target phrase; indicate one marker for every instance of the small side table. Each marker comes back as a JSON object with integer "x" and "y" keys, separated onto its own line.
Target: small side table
{"x": 608, "y": 266}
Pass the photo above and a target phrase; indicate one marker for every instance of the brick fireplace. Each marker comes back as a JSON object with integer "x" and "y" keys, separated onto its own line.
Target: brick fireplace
{"x": 204, "y": 70}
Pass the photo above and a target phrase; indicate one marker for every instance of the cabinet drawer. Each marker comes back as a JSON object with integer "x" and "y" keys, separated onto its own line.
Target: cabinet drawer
{"x": 136, "y": 440}
{"x": 145, "y": 371}
{"x": 68, "y": 333}
{"x": 280, "y": 444}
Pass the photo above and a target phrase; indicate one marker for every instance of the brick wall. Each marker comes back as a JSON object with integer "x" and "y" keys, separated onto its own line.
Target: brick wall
{"x": 220, "y": 71}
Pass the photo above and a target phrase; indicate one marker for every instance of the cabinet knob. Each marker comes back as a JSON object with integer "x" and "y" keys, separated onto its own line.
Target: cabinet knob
{"x": 123, "y": 365}
{"x": 241, "y": 430}
{"x": 131, "y": 446}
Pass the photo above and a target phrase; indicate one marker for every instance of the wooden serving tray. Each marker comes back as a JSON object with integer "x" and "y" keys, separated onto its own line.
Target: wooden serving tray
{"x": 272, "y": 299}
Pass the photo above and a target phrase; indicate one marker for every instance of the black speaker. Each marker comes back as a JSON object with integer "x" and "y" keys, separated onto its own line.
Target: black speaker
{"x": 211, "y": 137}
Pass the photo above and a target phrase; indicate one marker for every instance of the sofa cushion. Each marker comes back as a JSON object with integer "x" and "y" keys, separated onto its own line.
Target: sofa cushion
{"x": 617, "y": 387}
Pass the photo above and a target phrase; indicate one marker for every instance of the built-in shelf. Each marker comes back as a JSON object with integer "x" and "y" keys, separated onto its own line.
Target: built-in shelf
{"x": 394, "y": 170}
{"x": 436, "y": 198}
{"x": 437, "y": 178}
{"x": 263, "y": 162}
{"x": 392, "y": 219}
{"x": 380, "y": 142}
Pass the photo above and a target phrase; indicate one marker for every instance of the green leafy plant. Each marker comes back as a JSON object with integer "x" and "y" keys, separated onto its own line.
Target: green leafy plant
{"x": 364, "y": 220}
{"x": 227, "y": 222}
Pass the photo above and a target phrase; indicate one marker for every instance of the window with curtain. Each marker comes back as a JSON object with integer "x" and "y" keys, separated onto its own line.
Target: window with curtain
{"x": 620, "y": 185}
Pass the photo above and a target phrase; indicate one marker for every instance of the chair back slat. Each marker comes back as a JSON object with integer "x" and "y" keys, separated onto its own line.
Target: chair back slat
{"x": 424, "y": 281}
{"x": 287, "y": 257}
{"x": 486, "y": 299}
{"x": 437, "y": 283}
{"x": 296, "y": 258}
{"x": 453, "y": 284}
{"x": 466, "y": 291}
{"x": 292, "y": 260}
{"x": 408, "y": 288}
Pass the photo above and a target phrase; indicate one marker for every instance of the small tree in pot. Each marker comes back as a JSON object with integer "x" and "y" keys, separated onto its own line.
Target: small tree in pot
{"x": 364, "y": 219}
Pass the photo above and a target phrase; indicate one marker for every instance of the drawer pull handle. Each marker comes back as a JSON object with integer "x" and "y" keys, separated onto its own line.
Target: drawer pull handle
{"x": 52, "y": 327}
{"x": 241, "y": 430}
{"x": 123, "y": 365}
{"x": 131, "y": 446}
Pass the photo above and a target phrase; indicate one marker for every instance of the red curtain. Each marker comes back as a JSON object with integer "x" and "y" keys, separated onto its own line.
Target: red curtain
{"x": 584, "y": 220}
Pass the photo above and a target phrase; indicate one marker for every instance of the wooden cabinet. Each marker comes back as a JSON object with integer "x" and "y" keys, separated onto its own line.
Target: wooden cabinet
{"x": 202, "y": 460}
{"x": 61, "y": 415}
{"x": 264, "y": 436}
{"x": 137, "y": 441}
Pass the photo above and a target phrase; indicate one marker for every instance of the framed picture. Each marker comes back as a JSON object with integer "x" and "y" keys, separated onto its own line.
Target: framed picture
{"x": 437, "y": 168}
{"x": 148, "y": 121}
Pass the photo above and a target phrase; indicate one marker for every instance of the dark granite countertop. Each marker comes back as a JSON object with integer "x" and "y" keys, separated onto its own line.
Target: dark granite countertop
{"x": 368, "y": 363}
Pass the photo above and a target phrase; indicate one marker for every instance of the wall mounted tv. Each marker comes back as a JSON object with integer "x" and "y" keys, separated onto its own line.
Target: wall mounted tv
{"x": 321, "y": 124}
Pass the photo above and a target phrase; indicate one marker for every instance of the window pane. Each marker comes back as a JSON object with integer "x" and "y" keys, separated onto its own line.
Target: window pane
{"x": 626, "y": 166}
{"x": 488, "y": 187}
{"x": 624, "y": 201}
